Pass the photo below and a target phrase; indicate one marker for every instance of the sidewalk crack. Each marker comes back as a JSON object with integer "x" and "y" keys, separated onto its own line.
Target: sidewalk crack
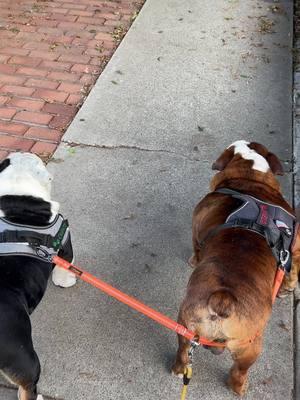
{"x": 128, "y": 147}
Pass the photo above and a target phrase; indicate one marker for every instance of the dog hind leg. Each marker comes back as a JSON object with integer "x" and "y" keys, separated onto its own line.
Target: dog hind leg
{"x": 243, "y": 359}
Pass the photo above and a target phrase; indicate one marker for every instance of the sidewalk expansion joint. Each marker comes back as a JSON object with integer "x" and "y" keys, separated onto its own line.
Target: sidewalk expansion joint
{"x": 128, "y": 147}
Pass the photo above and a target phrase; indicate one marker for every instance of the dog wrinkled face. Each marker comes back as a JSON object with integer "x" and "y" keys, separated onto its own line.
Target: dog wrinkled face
{"x": 24, "y": 174}
{"x": 263, "y": 160}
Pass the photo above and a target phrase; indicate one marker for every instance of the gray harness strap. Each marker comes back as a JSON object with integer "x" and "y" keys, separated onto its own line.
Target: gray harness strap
{"x": 272, "y": 222}
{"x": 38, "y": 242}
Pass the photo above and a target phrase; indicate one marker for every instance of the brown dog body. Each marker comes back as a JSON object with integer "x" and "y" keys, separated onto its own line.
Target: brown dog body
{"x": 229, "y": 295}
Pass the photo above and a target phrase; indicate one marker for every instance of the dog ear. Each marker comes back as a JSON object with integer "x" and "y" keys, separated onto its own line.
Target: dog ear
{"x": 275, "y": 164}
{"x": 4, "y": 164}
{"x": 272, "y": 159}
{"x": 223, "y": 160}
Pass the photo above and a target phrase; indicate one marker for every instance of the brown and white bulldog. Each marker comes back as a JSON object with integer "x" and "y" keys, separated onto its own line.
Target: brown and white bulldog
{"x": 229, "y": 294}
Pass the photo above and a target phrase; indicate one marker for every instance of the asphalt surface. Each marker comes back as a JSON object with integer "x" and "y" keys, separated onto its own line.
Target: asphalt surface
{"x": 187, "y": 80}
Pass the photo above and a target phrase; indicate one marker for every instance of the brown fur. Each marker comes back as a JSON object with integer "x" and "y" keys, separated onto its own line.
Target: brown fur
{"x": 229, "y": 294}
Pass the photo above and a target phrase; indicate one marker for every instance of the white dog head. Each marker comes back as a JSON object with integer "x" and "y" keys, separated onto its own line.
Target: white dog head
{"x": 24, "y": 174}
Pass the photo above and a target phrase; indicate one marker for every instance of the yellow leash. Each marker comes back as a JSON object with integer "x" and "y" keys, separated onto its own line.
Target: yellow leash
{"x": 188, "y": 372}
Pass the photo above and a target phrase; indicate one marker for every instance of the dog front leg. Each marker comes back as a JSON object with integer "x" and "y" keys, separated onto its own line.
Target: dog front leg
{"x": 182, "y": 357}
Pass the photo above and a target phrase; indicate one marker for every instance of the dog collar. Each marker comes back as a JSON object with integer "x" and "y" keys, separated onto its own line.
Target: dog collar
{"x": 34, "y": 241}
{"x": 272, "y": 222}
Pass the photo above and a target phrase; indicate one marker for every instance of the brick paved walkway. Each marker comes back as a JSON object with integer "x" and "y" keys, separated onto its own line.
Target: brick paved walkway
{"x": 51, "y": 54}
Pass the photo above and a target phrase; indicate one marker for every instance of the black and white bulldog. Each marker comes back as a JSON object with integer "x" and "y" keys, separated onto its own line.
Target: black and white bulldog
{"x": 28, "y": 216}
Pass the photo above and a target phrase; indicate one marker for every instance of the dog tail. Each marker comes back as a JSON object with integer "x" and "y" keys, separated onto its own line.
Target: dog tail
{"x": 221, "y": 303}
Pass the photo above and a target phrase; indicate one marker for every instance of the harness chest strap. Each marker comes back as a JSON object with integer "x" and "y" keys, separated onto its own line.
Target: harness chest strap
{"x": 39, "y": 242}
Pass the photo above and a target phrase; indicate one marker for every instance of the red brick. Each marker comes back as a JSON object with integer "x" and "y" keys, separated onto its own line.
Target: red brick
{"x": 109, "y": 45}
{"x": 31, "y": 71}
{"x": 7, "y": 113}
{"x": 76, "y": 6}
{"x": 3, "y": 100}
{"x": 47, "y": 23}
{"x": 88, "y": 79}
{"x": 100, "y": 60}
{"x": 29, "y": 61}
{"x": 3, "y": 154}
{"x": 63, "y": 76}
{"x": 74, "y": 59}
{"x": 15, "y": 143}
{"x": 50, "y": 95}
{"x": 56, "y": 10}
{"x": 104, "y": 36}
{"x": 7, "y": 69}
{"x": 80, "y": 41}
{"x": 27, "y": 104}
{"x": 70, "y": 87}
{"x": 44, "y": 148}
{"x": 13, "y": 51}
{"x": 59, "y": 109}
{"x": 35, "y": 132}
{"x": 59, "y": 39}
{"x": 63, "y": 17}
{"x": 45, "y": 55}
{"x": 53, "y": 31}
{"x": 28, "y": 36}
{"x": 92, "y": 20}
{"x": 60, "y": 122}
{"x": 95, "y": 44}
{"x": 87, "y": 69}
{"x": 37, "y": 46}
{"x": 41, "y": 83}
{"x": 112, "y": 22}
{"x": 3, "y": 58}
{"x": 17, "y": 90}
{"x": 74, "y": 99}
{"x": 33, "y": 117}
{"x": 12, "y": 128}
{"x": 81, "y": 13}
{"x": 71, "y": 25}
{"x": 12, "y": 79}
{"x": 109, "y": 16}
{"x": 55, "y": 65}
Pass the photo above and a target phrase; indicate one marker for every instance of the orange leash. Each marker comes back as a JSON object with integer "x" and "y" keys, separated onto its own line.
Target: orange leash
{"x": 134, "y": 303}
{"x": 148, "y": 311}
{"x": 277, "y": 282}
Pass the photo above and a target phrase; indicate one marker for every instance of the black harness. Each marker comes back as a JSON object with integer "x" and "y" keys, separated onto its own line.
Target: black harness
{"x": 41, "y": 242}
{"x": 272, "y": 222}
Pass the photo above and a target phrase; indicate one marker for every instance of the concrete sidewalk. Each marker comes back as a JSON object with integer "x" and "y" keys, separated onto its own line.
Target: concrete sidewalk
{"x": 139, "y": 160}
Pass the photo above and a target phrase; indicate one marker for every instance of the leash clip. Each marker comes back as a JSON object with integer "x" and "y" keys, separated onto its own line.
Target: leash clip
{"x": 284, "y": 257}
{"x": 42, "y": 253}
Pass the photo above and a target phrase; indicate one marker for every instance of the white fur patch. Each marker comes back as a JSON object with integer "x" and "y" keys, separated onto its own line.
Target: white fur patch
{"x": 63, "y": 278}
{"x": 259, "y": 162}
{"x": 27, "y": 176}
{"x": 39, "y": 397}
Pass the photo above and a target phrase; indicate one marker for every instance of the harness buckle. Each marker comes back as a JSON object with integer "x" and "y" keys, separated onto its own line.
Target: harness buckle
{"x": 42, "y": 253}
{"x": 284, "y": 256}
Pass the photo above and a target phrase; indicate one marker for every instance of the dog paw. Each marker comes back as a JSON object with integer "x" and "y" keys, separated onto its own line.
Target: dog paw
{"x": 238, "y": 388}
{"x": 178, "y": 370}
{"x": 63, "y": 278}
{"x": 40, "y": 397}
{"x": 179, "y": 375}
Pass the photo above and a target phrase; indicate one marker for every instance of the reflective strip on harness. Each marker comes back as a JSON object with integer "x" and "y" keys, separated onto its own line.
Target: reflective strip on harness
{"x": 34, "y": 241}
